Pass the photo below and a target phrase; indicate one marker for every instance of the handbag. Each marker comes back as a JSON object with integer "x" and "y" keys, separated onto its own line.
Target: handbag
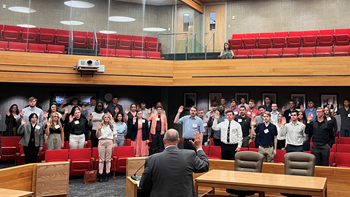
{"x": 90, "y": 176}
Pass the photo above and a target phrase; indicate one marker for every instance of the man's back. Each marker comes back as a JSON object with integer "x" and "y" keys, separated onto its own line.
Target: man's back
{"x": 170, "y": 173}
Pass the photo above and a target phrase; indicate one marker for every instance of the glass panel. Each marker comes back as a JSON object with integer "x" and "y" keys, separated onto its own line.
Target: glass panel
{"x": 212, "y": 21}
{"x": 186, "y": 19}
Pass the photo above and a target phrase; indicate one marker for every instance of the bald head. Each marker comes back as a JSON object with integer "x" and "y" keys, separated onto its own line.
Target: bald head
{"x": 171, "y": 137}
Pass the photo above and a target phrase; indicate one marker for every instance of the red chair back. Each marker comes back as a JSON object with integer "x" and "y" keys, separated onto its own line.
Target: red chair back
{"x": 59, "y": 49}
{"x": 343, "y": 148}
{"x": 279, "y": 157}
{"x": 215, "y": 152}
{"x": 252, "y": 145}
{"x": 16, "y": 46}
{"x": 344, "y": 140}
{"x": 342, "y": 160}
{"x": 124, "y": 151}
{"x": 37, "y": 48}
{"x": 206, "y": 149}
{"x": 56, "y": 155}
{"x": 4, "y": 45}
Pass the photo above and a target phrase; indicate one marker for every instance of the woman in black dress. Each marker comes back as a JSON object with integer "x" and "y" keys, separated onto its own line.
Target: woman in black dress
{"x": 128, "y": 119}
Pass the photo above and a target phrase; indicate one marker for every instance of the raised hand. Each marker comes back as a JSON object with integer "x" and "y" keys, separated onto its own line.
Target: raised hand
{"x": 253, "y": 115}
{"x": 83, "y": 108}
{"x": 284, "y": 109}
{"x": 66, "y": 111}
{"x": 70, "y": 118}
{"x": 112, "y": 119}
{"x": 91, "y": 116}
{"x": 334, "y": 106}
{"x": 21, "y": 113}
{"x": 105, "y": 105}
{"x": 203, "y": 108}
{"x": 126, "y": 111}
{"x": 284, "y": 121}
{"x": 217, "y": 115}
{"x": 211, "y": 114}
{"x": 149, "y": 110}
{"x": 181, "y": 109}
{"x": 48, "y": 124}
{"x": 309, "y": 117}
{"x": 64, "y": 102}
{"x": 259, "y": 103}
{"x": 99, "y": 126}
{"x": 134, "y": 120}
{"x": 197, "y": 143}
{"x": 8, "y": 113}
{"x": 45, "y": 114}
{"x": 301, "y": 107}
{"x": 253, "y": 122}
{"x": 137, "y": 106}
{"x": 23, "y": 121}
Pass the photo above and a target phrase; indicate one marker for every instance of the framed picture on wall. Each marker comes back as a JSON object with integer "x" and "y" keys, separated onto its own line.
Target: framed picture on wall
{"x": 327, "y": 100}
{"x": 273, "y": 97}
{"x": 299, "y": 99}
{"x": 238, "y": 97}
{"x": 214, "y": 97}
{"x": 190, "y": 99}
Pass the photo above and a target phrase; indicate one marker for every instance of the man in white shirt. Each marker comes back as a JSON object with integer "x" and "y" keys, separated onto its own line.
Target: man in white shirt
{"x": 231, "y": 135}
{"x": 274, "y": 113}
{"x": 144, "y": 110}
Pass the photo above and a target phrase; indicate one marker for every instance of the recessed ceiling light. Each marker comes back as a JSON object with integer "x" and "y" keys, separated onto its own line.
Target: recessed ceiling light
{"x": 79, "y": 4}
{"x": 72, "y": 23}
{"x": 26, "y": 25}
{"x": 22, "y": 9}
{"x": 108, "y": 32}
{"x": 121, "y": 19}
{"x": 153, "y": 29}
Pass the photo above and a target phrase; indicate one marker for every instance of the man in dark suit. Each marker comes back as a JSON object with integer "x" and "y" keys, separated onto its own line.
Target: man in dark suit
{"x": 170, "y": 173}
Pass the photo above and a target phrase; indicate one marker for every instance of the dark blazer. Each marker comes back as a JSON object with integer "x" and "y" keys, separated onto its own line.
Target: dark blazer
{"x": 145, "y": 130}
{"x": 170, "y": 173}
{"x": 38, "y": 134}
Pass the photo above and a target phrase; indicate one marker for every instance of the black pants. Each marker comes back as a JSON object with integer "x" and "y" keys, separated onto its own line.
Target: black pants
{"x": 205, "y": 138}
{"x": 94, "y": 139}
{"x": 281, "y": 144}
{"x": 228, "y": 151}
{"x": 321, "y": 153}
{"x": 188, "y": 145}
{"x": 157, "y": 142}
{"x": 291, "y": 148}
{"x": 217, "y": 142}
{"x": 31, "y": 153}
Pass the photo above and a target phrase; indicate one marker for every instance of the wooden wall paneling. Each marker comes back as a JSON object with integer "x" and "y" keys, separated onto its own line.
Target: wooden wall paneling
{"x": 17, "y": 178}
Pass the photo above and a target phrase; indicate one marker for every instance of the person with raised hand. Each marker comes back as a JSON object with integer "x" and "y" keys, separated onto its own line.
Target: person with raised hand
{"x": 128, "y": 118}
{"x": 158, "y": 127}
{"x": 121, "y": 129}
{"x": 55, "y": 133}
{"x": 139, "y": 134}
{"x": 344, "y": 116}
{"x": 12, "y": 115}
{"x": 32, "y": 137}
{"x": 106, "y": 134}
{"x": 32, "y": 108}
{"x": 110, "y": 108}
{"x": 79, "y": 129}
{"x": 94, "y": 118}
{"x": 281, "y": 135}
{"x": 190, "y": 125}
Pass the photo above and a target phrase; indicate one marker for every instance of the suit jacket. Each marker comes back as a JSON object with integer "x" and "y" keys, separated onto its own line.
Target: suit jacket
{"x": 38, "y": 134}
{"x": 134, "y": 128}
{"x": 170, "y": 173}
{"x": 163, "y": 120}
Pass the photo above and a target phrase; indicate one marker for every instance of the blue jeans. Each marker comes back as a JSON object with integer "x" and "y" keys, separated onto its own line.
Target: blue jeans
{"x": 343, "y": 132}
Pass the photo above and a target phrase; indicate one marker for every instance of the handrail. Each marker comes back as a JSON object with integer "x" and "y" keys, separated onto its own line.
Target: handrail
{"x": 70, "y": 47}
{"x": 169, "y": 34}
{"x": 194, "y": 36}
{"x": 208, "y": 43}
{"x": 95, "y": 41}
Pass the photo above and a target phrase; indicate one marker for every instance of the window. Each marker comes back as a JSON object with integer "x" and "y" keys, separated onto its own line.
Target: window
{"x": 212, "y": 21}
{"x": 186, "y": 22}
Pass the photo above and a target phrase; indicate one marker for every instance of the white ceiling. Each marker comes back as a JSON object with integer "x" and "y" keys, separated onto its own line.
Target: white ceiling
{"x": 154, "y": 2}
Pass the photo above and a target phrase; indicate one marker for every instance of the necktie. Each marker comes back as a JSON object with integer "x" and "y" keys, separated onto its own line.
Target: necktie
{"x": 228, "y": 132}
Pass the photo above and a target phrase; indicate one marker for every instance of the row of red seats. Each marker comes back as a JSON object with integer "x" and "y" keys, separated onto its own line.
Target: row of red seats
{"x": 292, "y": 52}
{"x": 314, "y": 38}
{"x": 81, "y": 39}
{"x": 31, "y": 47}
{"x": 130, "y": 53}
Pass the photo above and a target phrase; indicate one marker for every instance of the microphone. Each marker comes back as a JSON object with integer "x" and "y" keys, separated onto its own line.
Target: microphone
{"x": 134, "y": 176}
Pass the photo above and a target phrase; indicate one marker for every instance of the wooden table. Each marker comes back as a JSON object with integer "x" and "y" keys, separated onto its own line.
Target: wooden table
{"x": 263, "y": 182}
{"x": 12, "y": 192}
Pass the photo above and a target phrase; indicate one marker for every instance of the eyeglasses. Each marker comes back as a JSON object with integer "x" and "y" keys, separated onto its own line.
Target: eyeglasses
{"x": 56, "y": 117}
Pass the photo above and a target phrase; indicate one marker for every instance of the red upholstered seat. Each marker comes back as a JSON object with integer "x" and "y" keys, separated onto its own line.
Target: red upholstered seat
{"x": 17, "y": 46}
{"x": 274, "y": 53}
{"x": 336, "y": 139}
{"x": 9, "y": 147}
{"x": 62, "y": 37}
{"x": 127, "y": 142}
{"x": 279, "y": 39}
{"x": 279, "y": 157}
{"x": 122, "y": 53}
{"x": 334, "y": 148}
{"x": 20, "y": 157}
{"x": 344, "y": 140}
{"x": 294, "y": 38}
{"x": 252, "y": 145}
{"x": 1, "y": 31}
{"x": 4, "y": 45}
{"x": 151, "y": 44}
{"x": 56, "y": 155}
{"x": 290, "y": 52}
{"x": 331, "y": 159}
{"x": 244, "y": 149}
{"x": 243, "y": 53}
{"x": 323, "y": 51}
{"x": 236, "y": 41}
{"x": 341, "y": 50}
{"x": 138, "y": 54}
{"x": 47, "y": 36}
{"x": 37, "y": 48}
{"x": 110, "y": 41}
{"x": 258, "y": 53}
{"x": 121, "y": 153}
{"x": 254, "y": 149}
{"x": 264, "y": 40}
{"x": 138, "y": 43}
{"x": 11, "y": 33}
{"x": 124, "y": 42}
{"x": 154, "y": 55}
{"x": 107, "y": 52}
{"x": 342, "y": 160}
{"x": 307, "y": 52}
{"x": 30, "y": 35}
{"x": 249, "y": 41}
{"x": 342, "y": 36}
{"x": 310, "y": 38}
{"x": 59, "y": 49}
{"x": 206, "y": 149}
{"x": 325, "y": 37}
{"x": 79, "y": 39}
{"x": 91, "y": 39}
{"x": 343, "y": 148}
{"x": 80, "y": 161}
{"x": 214, "y": 152}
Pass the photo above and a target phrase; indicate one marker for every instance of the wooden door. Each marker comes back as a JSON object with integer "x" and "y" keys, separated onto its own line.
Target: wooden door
{"x": 183, "y": 24}
{"x": 215, "y": 22}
